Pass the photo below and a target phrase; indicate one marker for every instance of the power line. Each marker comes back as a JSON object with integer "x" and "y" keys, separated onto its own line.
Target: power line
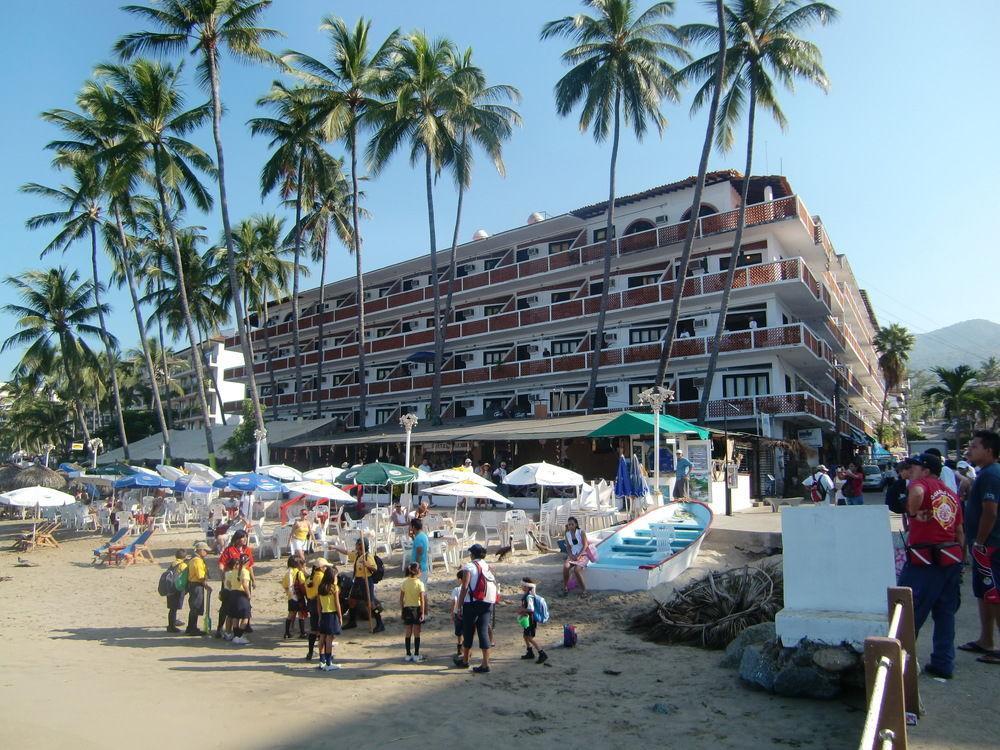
{"x": 919, "y": 312}
{"x": 933, "y": 337}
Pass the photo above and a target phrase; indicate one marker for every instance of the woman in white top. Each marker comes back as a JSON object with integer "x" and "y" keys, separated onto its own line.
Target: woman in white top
{"x": 576, "y": 557}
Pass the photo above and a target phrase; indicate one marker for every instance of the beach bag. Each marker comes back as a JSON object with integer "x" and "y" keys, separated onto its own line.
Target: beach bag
{"x": 483, "y": 580}
{"x": 167, "y": 582}
{"x": 541, "y": 610}
{"x": 569, "y": 636}
{"x": 816, "y": 491}
{"x": 181, "y": 580}
{"x": 591, "y": 551}
{"x": 379, "y": 573}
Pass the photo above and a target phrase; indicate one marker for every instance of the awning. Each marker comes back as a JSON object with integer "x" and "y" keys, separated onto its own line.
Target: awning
{"x": 860, "y": 438}
{"x": 638, "y": 423}
{"x": 879, "y": 451}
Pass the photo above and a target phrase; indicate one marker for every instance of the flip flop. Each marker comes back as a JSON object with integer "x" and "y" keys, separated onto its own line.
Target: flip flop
{"x": 991, "y": 657}
{"x": 974, "y": 648}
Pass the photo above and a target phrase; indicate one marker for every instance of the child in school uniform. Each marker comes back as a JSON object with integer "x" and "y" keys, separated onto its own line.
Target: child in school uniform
{"x": 313, "y": 582}
{"x": 328, "y": 603}
{"x": 175, "y": 599}
{"x": 413, "y": 602}
{"x": 294, "y": 584}
{"x": 526, "y": 617}
{"x": 456, "y": 612}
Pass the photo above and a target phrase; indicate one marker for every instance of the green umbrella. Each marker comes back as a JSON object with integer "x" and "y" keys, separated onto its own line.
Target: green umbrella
{"x": 116, "y": 469}
{"x": 377, "y": 474}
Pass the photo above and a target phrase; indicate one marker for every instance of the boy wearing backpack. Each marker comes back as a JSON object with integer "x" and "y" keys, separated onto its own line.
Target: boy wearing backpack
{"x": 533, "y": 610}
{"x": 173, "y": 583}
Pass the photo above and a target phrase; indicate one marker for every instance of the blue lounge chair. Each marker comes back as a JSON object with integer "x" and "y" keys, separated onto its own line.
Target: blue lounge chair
{"x": 116, "y": 537}
{"x": 136, "y": 551}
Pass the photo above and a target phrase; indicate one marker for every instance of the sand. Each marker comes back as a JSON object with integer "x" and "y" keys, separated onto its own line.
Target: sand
{"x": 85, "y": 659}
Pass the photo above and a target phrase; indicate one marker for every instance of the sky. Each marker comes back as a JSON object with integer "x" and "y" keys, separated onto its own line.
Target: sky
{"x": 896, "y": 158}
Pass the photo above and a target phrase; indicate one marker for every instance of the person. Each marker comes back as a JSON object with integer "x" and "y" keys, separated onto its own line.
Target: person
{"x": 175, "y": 599}
{"x": 576, "y": 555}
{"x": 197, "y": 586}
{"x": 682, "y": 471}
{"x": 413, "y": 604}
{"x": 898, "y": 490}
{"x": 294, "y": 584}
{"x": 364, "y": 566}
{"x": 528, "y": 622}
{"x": 301, "y": 534}
{"x": 947, "y": 473}
{"x": 237, "y": 548}
{"x": 467, "y": 464}
{"x": 398, "y": 515}
{"x": 319, "y": 567}
{"x": 478, "y": 596}
{"x": 500, "y": 473}
{"x": 485, "y": 470}
{"x": 821, "y": 488}
{"x": 967, "y": 469}
{"x": 456, "y": 613}
{"x": 935, "y": 552}
{"x": 421, "y": 511}
{"x": 425, "y": 465}
{"x": 330, "y": 617}
{"x": 965, "y": 475}
{"x": 420, "y": 553}
{"x": 236, "y": 583}
{"x": 853, "y": 490}
{"x": 982, "y": 525}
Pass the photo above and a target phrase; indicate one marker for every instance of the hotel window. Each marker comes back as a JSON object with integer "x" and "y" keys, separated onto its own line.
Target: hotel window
{"x": 466, "y": 314}
{"x": 567, "y": 346}
{"x": 494, "y": 357}
{"x": 381, "y": 373}
{"x": 564, "y": 400}
{"x": 490, "y": 263}
{"x": 741, "y": 386}
{"x": 694, "y": 266}
{"x": 383, "y": 415}
{"x": 635, "y": 282}
{"x": 494, "y": 405}
{"x": 602, "y": 234}
{"x": 746, "y": 317}
{"x": 745, "y": 259}
{"x": 409, "y": 284}
{"x": 489, "y": 310}
{"x": 429, "y": 368}
{"x": 382, "y": 332}
{"x": 430, "y": 322}
{"x": 634, "y": 389}
{"x": 596, "y": 287}
{"x": 561, "y": 296}
{"x": 645, "y": 335}
{"x": 559, "y": 247}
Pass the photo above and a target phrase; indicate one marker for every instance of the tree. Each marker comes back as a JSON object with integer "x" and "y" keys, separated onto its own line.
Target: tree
{"x": 54, "y": 320}
{"x": 763, "y": 47}
{"x": 210, "y": 26}
{"x": 893, "y": 344}
{"x": 714, "y": 89}
{"x": 80, "y": 217}
{"x": 620, "y": 71}
{"x": 346, "y": 93}
{"x": 989, "y": 369}
{"x": 153, "y": 122}
{"x": 169, "y": 366}
{"x": 955, "y": 392}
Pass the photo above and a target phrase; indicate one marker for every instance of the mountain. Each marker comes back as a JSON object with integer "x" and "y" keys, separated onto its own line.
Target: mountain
{"x": 965, "y": 343}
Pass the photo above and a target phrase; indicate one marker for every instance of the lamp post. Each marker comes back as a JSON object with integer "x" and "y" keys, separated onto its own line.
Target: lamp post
{"x": 408, "y": 422}
{"x": 259, "y": 436}
{"x": 95, "y": 445}
{"x": 48, "y": 448}
{"x": 656, "y": 397}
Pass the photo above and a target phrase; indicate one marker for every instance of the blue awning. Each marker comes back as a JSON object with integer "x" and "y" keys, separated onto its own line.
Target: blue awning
{"x": 879, "y": 451}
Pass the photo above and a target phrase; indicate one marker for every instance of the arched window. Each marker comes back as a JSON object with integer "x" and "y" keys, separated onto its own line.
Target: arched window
{"x": 706, "y": 209}
{"x": 639, "y": 225}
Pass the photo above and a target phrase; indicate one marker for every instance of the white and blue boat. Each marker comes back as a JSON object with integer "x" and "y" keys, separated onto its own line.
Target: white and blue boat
{"x": 654, "y": 548}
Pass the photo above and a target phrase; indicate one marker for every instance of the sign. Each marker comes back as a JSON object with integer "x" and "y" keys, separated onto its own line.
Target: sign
{"x": 812, "y": 438}
{"x": 458, "y": 445}
{"x": 732, "y": 476}
{"x": 699, "y": 453}
{"x": 76, "y": 446}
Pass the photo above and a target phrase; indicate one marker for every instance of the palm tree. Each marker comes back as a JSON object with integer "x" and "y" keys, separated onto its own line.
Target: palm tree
{"x": 346, "y": 93}
{"x": 955, "y": 392}
{"x": 763, "y": 46}
{"x": 53, "y": 320}
{"x": 297, "y": 167}
{"x": 168, "y": 367}
{"x": 80, "y": 216}
{"x": 619, "y": 71}
{"x": 153, "y": 122}
{"x": 484, "y": 120}
{"x": 699, "y": 186}
{"x": 209, "y": 26}
{"x": 893, "y": 344}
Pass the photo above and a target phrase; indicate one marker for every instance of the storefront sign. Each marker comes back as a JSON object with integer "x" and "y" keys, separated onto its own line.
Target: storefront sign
{"x": 812, "y": 438}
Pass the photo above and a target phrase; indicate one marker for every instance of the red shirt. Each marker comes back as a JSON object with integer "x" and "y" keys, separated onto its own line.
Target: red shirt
{"x": 235, "y": 553}
{"x": 940, "y": 513}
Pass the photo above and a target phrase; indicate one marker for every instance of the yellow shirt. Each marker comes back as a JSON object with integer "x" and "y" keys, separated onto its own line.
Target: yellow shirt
{"x": 236, "y": 579}
{"x": 328, "y": 602}
{"x": 412, "y": 588}
{"x": 300, "y": 530}
{"x": 359, "y": 566}
{"x": 293, "y": 577}
{"x": 312, "y": 585}
{"x": 197, "y": 570}
{"x": 179, "y": 566}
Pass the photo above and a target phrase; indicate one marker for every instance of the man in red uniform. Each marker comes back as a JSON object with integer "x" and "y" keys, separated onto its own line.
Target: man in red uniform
{"x": 935, "y": 551}
{"x": 237, "y": 548}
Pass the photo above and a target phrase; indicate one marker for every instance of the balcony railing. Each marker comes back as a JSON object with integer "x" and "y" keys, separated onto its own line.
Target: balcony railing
{"x": 778, "y": 405}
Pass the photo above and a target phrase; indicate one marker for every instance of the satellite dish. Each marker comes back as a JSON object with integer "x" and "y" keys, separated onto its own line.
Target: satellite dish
{"x": 536, "y": 217}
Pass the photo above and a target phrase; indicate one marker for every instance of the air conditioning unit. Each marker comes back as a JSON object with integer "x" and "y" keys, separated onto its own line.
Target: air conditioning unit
{"x": 532, "y": 251}
{"x": 467, "y": 268}
{"x": 467, "y": 357}
{"x": 369, "y": 295}
{"x": 701, "y": 322}
{"x": 610, "y": 337}
{"x": 610, "y": 390}
{"x": 409, "y": 326}
{"x": 532, "y": 300}
{"x": 612, "y": 283}
{"x": 533, "y": 348}
{"x": 662, "y": 219}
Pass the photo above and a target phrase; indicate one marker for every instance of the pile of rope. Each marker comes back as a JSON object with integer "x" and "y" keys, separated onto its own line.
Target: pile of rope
{"x": 713, "y": 610}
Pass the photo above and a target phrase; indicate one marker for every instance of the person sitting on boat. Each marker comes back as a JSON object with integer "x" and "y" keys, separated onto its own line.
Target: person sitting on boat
{"x": 576, "y": 555}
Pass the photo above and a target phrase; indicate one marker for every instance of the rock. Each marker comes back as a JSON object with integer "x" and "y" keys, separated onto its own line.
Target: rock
{"x": 757, "y": 667}
{"x": 834, "y": 659}
{"x": 759, "y": 633}
{"x": 662, "y": 708}
{"x": 806, "y": 682}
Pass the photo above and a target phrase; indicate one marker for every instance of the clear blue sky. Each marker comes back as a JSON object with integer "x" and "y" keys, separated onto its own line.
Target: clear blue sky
{"x": 898, "y": 158}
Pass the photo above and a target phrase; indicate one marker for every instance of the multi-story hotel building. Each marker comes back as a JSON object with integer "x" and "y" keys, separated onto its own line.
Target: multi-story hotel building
{"x": 797, "y": 352}
{"x": 216, "y": 360}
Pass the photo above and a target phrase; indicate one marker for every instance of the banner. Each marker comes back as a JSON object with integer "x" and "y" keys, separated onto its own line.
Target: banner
{"x": 699, "y": 453}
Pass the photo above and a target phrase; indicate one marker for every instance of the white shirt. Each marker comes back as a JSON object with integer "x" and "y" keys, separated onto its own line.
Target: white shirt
{"x": 575, "y": 547}
{"x": 491, "y": 585}
{"x": 948, "y": 477}
{"x": 455, "y": 593}
{"x": 824, "y": 481}
{"x": 500, "y": 473}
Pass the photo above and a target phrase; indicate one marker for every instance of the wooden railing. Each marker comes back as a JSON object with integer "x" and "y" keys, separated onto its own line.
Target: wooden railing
{"x": 891, "y": 677}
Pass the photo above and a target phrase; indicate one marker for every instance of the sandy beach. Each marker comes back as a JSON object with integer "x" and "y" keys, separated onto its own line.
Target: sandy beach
{"x": 85, "y": 659}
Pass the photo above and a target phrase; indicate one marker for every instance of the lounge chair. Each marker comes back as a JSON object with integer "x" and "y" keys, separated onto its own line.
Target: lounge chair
{"x": 136, "y": 551}
{"x": 112, "y": 542}
{"x": 40, "y": 536}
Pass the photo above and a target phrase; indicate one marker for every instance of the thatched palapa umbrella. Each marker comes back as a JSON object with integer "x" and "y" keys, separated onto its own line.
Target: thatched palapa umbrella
{"x": 7, "y": 474}
{"x": 36, "y": 476}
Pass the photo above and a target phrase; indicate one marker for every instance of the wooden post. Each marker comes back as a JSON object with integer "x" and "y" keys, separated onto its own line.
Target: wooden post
{"x": 907, "y": 637}
{"x": 892, "y": 715}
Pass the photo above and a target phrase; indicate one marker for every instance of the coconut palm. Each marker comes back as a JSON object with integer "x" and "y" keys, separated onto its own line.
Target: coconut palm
{"x": 168, "y": 368}
{"x": 715, "y": 87}
{"x": 153, "y": 122}
{"x": 297, "y": 167}
{"x": 54, "y": 319}
{"x": 893, "y": 344}
{"x": 346, "y": 93}
{"x": 80, "y": 216}
{"x": 211, "y": 26}
{"x": 955, "y": 392}
{"x": 763, "y": 49}
{"x": 482, "y": 119}
{"x": 620, "y": 71}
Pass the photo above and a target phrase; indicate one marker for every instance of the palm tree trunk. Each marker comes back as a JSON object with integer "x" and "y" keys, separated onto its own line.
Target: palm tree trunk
{"x": 234, "y": 282}
{"x": 587, "y": 402}
{"x": 295, "y": 287}
{"x": 270, "y": 365}
{"x": 126, "y": 262}
{"x": 163, "y": 358}
{"x": 115, "y": 391}
{"x": 199, "y": 372}
{"x": 699, "y": 187}
{"x": 436, "y": 290}
{"x": 362, "y": 378}
{"x": 727, "y": 290}
{"x": 881, "y": 419}
{"x": 319, "y": 333}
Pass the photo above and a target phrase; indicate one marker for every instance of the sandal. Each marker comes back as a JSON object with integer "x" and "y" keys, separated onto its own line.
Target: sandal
{"x": 991, "y": 657}
{"x": 974, "y": 648}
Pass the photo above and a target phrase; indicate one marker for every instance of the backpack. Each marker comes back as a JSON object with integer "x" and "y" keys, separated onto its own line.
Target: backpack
{"x": 895, "y": 496}
{"x": 541, "y": 610}
{"x": 817, "y": 492}
{"x": 569, "y": 636}
{"x": 181, "y": 580}
{"x": 168, "y": 582}
{"x": 478, "y": 593}
{"x": 379, "y": 573}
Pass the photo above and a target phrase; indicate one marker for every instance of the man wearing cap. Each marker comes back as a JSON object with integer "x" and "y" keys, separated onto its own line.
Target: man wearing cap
{"x": 478, "y": 596}
{"x": 197, "y": 586}
{"x": 898, "y": 490}
{"x": 237, "y": 548}
{"x": 364, "y": 567}
{"x": 934, "y": 555}
{"x": 682, "y": 469}
{"x": 820, "y": 486}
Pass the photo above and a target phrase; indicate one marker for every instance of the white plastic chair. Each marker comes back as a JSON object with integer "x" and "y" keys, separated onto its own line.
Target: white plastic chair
{"x": 663, "y": 534}
{"x": 279, "y": 541}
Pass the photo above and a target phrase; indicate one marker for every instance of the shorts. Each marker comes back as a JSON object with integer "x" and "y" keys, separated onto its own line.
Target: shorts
{"x": 329, "y": 623}
{"x": 175, "y": 600}
{"x": 298, "y": 545}
{"x": 529, "y": 632}
{"x": 297, "y": 606}
{"x": 411, "y": 615}
{"x": 458, "y": 625}
{"x": 476, "y": 617}
{"x": 238, "y": 605}
{"x": 986, "y": 574}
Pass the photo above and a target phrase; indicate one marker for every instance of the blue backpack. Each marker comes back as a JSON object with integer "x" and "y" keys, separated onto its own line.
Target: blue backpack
{"x": 569, "y": 636}
{"x": 541, "y": 610}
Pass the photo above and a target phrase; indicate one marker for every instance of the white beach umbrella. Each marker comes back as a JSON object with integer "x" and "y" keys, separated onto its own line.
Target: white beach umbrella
{"x": 470, "y": 489}
{"x": 36, "y": 497}
{"x": 457, "y": 475}
{"x": 323, "y": 474}
{"x": 281, "y": 472}
{"x": 144, "y": 470}
{"x": 169, "y": 472}
{"x": 202, "y": 470}
{"x": 319, "y": 490}
{"x": 545, "y": 475}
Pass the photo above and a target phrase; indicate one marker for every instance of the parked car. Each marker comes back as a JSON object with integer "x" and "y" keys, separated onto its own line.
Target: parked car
{"x": 874, "y": 479}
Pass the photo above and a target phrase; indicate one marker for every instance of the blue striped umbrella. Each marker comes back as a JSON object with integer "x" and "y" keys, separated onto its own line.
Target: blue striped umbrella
{"x": 250, "y": 482}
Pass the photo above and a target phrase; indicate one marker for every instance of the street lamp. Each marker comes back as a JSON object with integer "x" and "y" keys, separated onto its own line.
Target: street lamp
{"x": 656, "y": 396}
{"x": 95, "y": 445}
{"x": 408, "y": 422}
{"x": 48, "y": 448}
{"x": 259, "y": 437}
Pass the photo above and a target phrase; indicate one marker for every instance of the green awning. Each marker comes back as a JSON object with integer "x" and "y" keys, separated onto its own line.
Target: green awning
{"x": 637, "y": 423}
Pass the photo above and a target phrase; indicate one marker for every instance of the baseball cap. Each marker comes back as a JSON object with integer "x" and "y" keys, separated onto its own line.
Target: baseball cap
{"x": 321, "y": 562}
{"x": 929, "y": 461}
{"x": 964, "y": 465}
{"x": 201, "y": 545}
{"x": 477, "y": 550}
